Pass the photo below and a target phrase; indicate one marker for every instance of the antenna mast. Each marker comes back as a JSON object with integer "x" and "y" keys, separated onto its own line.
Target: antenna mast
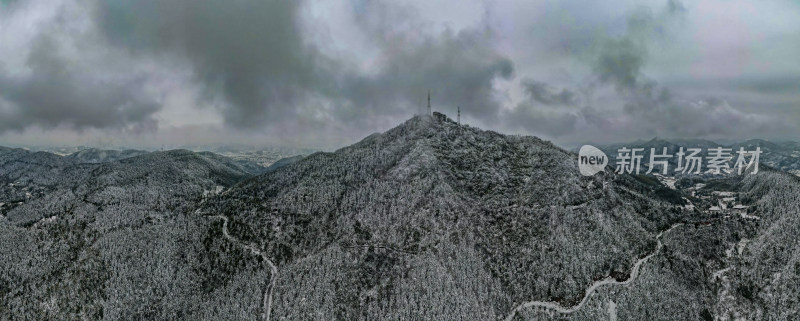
{"x": 459, "y": 115}
{"x": 429, "y": 102}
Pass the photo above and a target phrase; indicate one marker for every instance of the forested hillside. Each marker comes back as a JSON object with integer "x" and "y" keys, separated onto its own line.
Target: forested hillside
{"x": 436, "y": 221}
{"x": 431, "y": 220}
{"x": 94, "y": 155}
{"x": 119, "y": 240}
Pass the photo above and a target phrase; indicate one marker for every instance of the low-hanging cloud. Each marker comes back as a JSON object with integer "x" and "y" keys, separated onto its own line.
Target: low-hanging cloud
{"x": 653, "y": 109}
{"x": 545, "y": 110}
{"x": 252, "y": 61}
{"x": 645, "y": 108}
{"x": 297, "y": 70}
{"x": 55, "y": 93}
{"x": 458, "y": 69}
{"x": 252, "y": 55}
{"x": 248, "y": 54}
{"x": 543, "y": 93}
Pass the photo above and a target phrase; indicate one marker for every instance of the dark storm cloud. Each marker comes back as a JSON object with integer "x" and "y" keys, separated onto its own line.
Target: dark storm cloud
{"x": 619, "y": 59}
{"x": 653, "y": 109}
{"x": 55, "y": 93}
{"x": 331, "y": 72}
{"x": 545, "y": 94}
{"x": 458, "y": 69}
{"x": 545, "y": 111}
{"x": 616, "y": 58}
{"x": 619, "y": 62}
{"x": 250, "y": 54}
{"x": 644, "y": 108}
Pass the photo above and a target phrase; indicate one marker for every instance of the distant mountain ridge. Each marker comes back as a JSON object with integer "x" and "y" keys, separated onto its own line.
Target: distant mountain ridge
{"x": 94, "y": 155}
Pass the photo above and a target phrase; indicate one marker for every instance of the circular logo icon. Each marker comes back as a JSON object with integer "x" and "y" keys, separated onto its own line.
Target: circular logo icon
{"x": 591, "y": 160}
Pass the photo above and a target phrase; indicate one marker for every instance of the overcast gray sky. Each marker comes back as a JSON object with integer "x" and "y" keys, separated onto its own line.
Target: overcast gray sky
{"x": 325, "y": 73}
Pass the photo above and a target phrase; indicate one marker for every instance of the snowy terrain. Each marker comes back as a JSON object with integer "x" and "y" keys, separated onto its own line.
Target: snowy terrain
{"x": 430, "y": 220}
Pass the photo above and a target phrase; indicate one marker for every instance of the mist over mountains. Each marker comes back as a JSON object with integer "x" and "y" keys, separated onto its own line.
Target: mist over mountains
{"x": 431, "y": 220}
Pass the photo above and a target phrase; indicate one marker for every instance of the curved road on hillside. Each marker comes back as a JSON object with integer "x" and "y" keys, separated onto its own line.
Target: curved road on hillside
{"x": 273, "y": 269}
{"x": 608, "y": 280}
{"x": 265, "y": 313}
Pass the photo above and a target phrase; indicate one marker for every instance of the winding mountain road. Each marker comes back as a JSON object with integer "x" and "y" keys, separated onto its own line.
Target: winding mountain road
{"x": 607, "y": 281}
{"x": 273, "y": 269}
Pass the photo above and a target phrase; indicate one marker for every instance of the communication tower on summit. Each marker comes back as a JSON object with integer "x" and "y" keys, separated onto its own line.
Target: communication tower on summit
{"x": 429, "y": 102}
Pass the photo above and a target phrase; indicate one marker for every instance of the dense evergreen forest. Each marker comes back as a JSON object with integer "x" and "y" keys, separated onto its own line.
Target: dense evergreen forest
{"x": 431, "y": 220}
